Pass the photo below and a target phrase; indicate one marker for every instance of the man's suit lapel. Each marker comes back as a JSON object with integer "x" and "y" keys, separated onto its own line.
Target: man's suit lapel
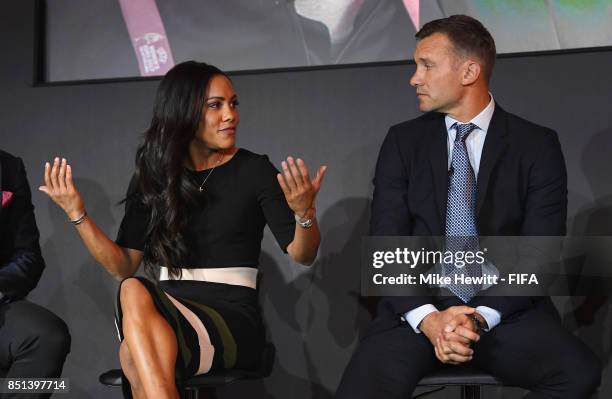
{"x": 438, "y": 157}
{"x": 494, "y": 146}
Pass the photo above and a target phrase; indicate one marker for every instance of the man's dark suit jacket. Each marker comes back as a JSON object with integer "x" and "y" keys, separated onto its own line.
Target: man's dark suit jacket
{"x": 521, "y": 191}
{"x": 21, "y": 263}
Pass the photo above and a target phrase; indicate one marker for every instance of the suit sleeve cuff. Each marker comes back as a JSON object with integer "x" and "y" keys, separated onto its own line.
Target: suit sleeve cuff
{"x": 492, "y": 316}
{"x": 415, "y": 316}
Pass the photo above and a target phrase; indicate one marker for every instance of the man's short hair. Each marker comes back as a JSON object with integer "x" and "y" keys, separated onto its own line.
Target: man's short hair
{"x": 468, "y": 36}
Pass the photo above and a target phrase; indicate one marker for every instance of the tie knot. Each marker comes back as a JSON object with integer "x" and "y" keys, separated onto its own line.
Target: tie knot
{"x": 463, "y": 130}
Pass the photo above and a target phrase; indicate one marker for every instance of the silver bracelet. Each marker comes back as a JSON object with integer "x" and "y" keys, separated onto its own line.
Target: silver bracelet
{"x": 79, "y": 220}
{"x": 306, "y": 223}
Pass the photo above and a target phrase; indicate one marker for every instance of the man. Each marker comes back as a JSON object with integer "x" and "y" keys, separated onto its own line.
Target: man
{"x": 504, "y": 176}
{"x": 33, "y": 341}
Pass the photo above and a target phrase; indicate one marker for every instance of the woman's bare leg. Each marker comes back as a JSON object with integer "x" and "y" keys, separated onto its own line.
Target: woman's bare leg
{"x": 150, "y": 340}
{"x": 129, "y": 369}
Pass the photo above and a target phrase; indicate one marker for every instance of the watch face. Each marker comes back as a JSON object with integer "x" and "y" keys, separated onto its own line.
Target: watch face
{"x": 477, "y": 325}
{"x": 306, "y": 223}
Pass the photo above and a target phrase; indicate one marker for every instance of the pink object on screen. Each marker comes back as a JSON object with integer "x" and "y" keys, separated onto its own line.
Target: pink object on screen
{"x": 412, "y": 6}
{"x": 7, "y": 197}
{"x": 148, "y": 36}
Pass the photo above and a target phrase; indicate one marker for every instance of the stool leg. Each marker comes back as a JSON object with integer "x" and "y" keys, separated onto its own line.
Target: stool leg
{"x": 470, "y": 392}
{"x": 201, "y": 393}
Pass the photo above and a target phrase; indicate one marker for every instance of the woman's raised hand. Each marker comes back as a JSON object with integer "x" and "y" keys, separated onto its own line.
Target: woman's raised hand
{"x": 60, "y": 188}
{"x": 295, "y": 182}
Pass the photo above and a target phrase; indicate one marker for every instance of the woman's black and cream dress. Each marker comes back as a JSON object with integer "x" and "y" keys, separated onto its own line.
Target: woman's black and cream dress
{"x": 223, "y": 236}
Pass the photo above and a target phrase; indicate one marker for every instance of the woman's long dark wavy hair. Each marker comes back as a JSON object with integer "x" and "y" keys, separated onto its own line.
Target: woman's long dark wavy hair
{"x": 160, "y": 178}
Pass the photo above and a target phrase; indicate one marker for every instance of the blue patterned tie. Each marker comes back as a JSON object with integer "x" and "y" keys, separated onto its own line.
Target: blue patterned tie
{"x": 461, "y": 229}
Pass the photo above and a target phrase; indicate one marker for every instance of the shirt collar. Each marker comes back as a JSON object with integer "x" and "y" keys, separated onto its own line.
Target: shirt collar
{"x": 482, "y": 120}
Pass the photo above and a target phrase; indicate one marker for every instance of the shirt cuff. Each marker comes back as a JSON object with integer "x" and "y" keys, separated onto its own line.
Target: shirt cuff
{"x": 415, "y": 316}
{"x": 492, "y": 316}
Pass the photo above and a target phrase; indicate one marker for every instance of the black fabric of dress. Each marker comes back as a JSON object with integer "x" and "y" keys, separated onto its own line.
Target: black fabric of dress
{"x": 225, "y": 229}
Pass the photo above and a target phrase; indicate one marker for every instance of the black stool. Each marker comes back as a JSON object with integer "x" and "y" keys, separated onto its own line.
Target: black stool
{"x": 207, "y": 384}
{"x": 468, "y": 378}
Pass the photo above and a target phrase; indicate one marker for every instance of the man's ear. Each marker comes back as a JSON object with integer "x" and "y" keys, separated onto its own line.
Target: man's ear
{"x": 471, "y": 72}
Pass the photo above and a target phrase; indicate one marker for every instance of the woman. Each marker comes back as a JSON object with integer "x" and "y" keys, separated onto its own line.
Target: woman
{"x": 195, "y": 212}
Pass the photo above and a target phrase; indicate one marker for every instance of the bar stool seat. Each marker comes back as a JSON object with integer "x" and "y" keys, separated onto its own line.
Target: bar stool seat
{"x": 469, "y": 378}
{"x": 206, "y": 384}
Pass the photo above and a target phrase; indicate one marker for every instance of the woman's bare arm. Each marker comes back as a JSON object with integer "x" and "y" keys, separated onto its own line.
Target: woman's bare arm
{"x": 118, "y": 261}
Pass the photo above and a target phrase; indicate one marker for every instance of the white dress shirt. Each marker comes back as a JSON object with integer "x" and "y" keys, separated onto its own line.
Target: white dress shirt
{"x": 474, "y": 144}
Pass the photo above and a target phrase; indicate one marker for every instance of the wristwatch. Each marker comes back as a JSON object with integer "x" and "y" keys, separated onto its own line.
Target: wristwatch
{"x": 480, "y": 328}
{"x": 305, "y": 221}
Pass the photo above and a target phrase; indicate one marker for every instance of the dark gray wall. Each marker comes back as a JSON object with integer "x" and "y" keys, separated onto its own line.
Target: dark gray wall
{"x": 337, "y": 117}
